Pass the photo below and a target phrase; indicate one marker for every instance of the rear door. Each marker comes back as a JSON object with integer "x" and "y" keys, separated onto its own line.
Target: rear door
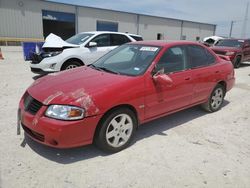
{"x": 204, "y": 72}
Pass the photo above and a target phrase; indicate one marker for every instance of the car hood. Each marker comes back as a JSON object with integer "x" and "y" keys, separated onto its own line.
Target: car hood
{"x": 215, "y": 38}
{"x": 224, "y": 48}
{"x": 76, "y": 87}
{"x": 54, "y": 41}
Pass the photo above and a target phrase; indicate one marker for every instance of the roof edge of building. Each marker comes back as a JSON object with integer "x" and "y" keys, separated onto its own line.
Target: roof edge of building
{"x": 134, "y": 13}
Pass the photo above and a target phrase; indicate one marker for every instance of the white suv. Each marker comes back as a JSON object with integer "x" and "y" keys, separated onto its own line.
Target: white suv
{"x": 81, "y": 49}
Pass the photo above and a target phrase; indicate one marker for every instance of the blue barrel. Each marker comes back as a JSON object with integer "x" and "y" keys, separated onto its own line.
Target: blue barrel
{"x": 29, "y": 48}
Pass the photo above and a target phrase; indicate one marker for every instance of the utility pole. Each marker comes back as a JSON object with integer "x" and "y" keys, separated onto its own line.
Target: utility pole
{"x": 244, "y": 28}
{"x": 231, "y": 29}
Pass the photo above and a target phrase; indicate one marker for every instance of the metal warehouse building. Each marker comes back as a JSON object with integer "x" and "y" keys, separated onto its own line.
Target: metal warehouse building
{"x": 33, "y": 20}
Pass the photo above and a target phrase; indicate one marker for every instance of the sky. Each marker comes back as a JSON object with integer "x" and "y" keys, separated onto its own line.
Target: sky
{"x": 219, "y": 12}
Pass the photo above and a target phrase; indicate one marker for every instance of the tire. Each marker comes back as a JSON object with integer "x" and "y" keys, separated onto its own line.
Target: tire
{"x": 237, "y": 62}
{"x": 215, "y": 100}
{"x": 71, "y": 65}
{"x": 116, "y": 130}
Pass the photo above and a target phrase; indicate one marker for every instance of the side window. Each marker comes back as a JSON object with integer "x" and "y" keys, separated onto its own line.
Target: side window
{"x": 199, "y": 57}
{"x": 210, "y": 58}
{"x": 102, "y": 40}
{"x": 173, "y": 60}
{"x": 117, "y": 40}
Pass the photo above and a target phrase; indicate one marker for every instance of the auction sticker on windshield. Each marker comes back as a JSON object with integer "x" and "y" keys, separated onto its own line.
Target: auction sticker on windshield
{"x": 150, "y": 49}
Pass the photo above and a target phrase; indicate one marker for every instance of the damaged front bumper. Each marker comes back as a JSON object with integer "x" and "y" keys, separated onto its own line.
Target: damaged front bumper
{"x": 47, "y": 65}
{"x": 56, "y": 133}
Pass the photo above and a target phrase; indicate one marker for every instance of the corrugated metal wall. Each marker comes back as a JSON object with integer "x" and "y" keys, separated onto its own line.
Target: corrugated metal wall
{"x": 89, "y": 16}
{"x": 151, "y": 26}
{"x": 23, "y": 19}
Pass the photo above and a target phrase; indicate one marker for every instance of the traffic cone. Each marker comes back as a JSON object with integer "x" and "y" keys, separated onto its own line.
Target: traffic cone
{"x": 1, "y": 55}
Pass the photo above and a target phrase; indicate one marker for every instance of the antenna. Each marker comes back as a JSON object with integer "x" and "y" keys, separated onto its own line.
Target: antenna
{"x": 244, "y": 28}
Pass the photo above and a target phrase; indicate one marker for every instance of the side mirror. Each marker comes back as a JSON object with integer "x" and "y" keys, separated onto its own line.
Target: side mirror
{"x": 92, "y": 44}
{"x": 163, "y": 79}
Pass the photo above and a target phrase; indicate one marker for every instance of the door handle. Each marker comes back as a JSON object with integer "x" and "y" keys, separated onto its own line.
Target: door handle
{"x": 188, "y": 78}
{"x": 217, "y": 72}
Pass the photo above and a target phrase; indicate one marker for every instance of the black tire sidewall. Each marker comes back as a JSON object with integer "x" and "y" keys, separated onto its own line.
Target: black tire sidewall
{"x": 100, "y": 137}
{"x": 237, "y": 62}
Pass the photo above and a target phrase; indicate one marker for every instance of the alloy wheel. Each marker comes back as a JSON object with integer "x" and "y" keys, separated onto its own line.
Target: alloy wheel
{"x": 71, "y": 67}
{"x": 217, "y": 98}
{"x": 119, "y": 130}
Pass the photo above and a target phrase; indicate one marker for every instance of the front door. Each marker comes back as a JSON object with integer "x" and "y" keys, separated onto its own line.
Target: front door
{"x": 161, "y": 99}
{"x": 103, "y": 47}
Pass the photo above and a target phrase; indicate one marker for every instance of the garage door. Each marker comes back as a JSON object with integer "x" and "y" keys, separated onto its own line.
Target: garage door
{"x": 59, "y": 23}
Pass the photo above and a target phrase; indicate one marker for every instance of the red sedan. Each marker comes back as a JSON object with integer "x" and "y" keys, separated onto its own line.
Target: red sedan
{"x": 135, "y": 83}
{"x": 237, "y": 50}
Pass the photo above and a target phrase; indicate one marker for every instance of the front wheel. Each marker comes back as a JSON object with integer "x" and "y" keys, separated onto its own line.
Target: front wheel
{"x": 71, "y": 65}
{"x": 116, "y": 130}
{"x": 215, "y": 100}
{"x": 237, "y": 62}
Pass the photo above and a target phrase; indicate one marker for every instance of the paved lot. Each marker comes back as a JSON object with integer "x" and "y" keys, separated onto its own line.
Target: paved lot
{"x": 188, "y": 149}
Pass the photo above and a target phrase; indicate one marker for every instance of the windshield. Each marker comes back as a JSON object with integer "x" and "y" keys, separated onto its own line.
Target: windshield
{"x": 230, "y": 43}
{"x": 79, "y": 38}
{"x": 128, "y": 59}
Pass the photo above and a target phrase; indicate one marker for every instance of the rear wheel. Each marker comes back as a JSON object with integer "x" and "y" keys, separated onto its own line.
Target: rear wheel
{"x": 116, "y": 130}
{"x": 71, "y": 65}
{"x": 215, "y": 100}
{"x": 237, "y": 62}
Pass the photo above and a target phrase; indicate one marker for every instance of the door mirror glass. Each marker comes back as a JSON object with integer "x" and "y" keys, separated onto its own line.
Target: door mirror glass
{"x": 92, "y": 44}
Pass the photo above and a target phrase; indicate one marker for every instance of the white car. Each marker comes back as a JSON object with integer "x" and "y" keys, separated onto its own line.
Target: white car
{"x": 210, "y": 41}
{"x": 81, "y": 49}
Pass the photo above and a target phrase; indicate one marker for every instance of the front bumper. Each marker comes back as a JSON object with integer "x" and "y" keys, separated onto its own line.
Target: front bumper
{"x": 57, "y": 133}
{"x": 47, "y": 65}
{"x": 39, "y": 71}
{"x": 232, "y": 57}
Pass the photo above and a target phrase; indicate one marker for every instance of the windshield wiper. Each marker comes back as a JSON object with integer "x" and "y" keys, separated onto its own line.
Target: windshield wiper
{"x": 108, "y": 70}
{"x": 103, "y": 69}
{"x": 95, "y": 67}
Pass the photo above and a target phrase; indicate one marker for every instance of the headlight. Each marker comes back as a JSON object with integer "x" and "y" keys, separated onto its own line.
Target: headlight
{"x": 230, "y": 53}
{"x": 50, "y": 54}
{"x": 64, "y": 112}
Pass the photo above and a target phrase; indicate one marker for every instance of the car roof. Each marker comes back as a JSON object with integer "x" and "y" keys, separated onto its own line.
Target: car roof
{"x": 234, "y": 39}
{"x": 163, "y": 43}
{"x": 131, "y": 34}
{"x": 104, "y": 32}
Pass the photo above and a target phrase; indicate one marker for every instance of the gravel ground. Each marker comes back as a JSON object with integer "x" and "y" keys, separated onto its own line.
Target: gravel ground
{"x": 188, "y": 149}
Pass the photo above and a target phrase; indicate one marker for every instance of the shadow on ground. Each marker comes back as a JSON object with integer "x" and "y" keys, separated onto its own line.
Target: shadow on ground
{"x": 39, "y": 76}
{"x": 159, "y": 126}
{"x": 244, "y": 64}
